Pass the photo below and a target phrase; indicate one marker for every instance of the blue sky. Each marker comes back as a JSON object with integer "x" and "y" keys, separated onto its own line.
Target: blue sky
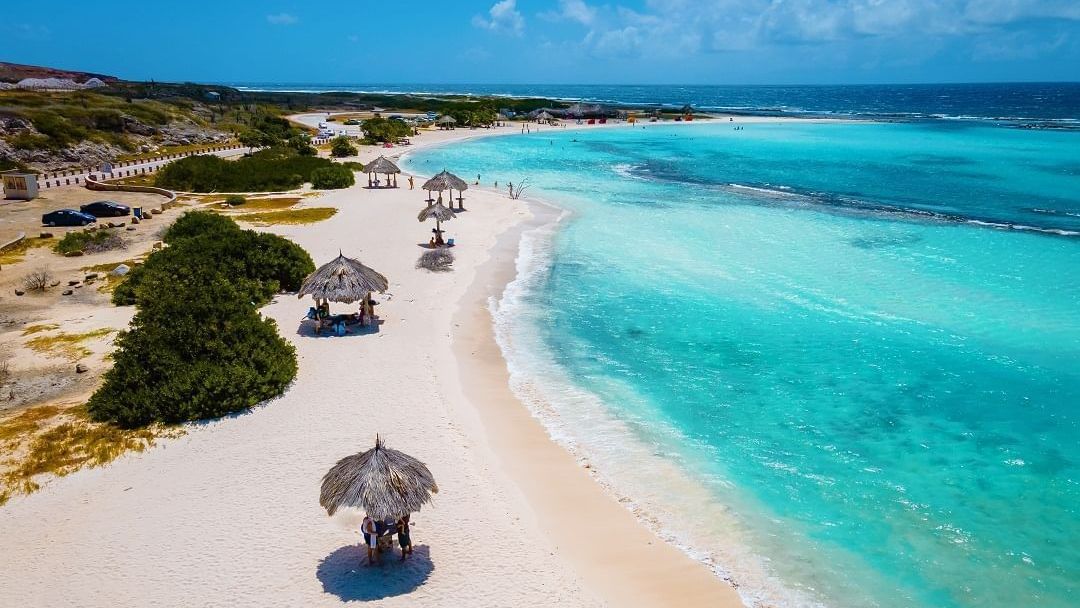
{"x": 554, "y": 41}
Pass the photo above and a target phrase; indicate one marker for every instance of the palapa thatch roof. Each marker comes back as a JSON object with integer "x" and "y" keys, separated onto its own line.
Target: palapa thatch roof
{"x": 544, "y": 116}
{"x": 438, "y": 211}
{"x": 445, "y": 181}
{"x": 343, "y": 280}
{"x": 446, "y": 119}
{"x": 381, "y": 165}
{"x": 383, "y": 482}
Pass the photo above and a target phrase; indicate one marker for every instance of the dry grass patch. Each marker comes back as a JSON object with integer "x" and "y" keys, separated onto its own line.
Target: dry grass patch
{"x": 36, "y": 329}
{"x": 49, "y": 440}
{"x": 68, "y": 346}
{"x": 310, "y": 215}
{"x": 17, "y": 252}
{"x": 268, "y": 204}
{"x": 17, "y": 427}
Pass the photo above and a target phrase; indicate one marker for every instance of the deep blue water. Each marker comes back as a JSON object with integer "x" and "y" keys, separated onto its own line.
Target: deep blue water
{"x": 1021, "y": 104}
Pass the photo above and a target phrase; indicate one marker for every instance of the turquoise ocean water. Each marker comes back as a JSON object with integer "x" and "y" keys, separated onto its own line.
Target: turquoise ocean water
{"x": 840, "y": 363}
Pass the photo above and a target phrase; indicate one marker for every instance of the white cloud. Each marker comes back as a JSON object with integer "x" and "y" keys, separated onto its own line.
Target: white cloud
{"x": 502, "y": 17}
{"x": 281, "y": 19}
{"x": 572, "y": 10}
{"x": 679, "y": 27}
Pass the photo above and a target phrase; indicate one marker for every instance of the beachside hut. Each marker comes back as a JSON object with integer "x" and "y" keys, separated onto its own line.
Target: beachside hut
{"x": 343, "y": 280}
{"x": 446, "y": 121}
{"x": 447, "y": 181}
{"x": 440, "y": 213}
{"x": 384, "y": 483}
{"x": 382, "y": 165}
{"x": 544, "y": 117}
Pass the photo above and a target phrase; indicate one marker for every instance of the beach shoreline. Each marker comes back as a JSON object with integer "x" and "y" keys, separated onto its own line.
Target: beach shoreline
{"x": 238, "y": 518}
{"x": 607, "y": 544}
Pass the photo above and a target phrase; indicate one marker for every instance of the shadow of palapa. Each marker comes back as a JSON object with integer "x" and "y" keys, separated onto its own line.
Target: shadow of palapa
{"x": 307, "y": 330}
{"x": 344, "y": 573}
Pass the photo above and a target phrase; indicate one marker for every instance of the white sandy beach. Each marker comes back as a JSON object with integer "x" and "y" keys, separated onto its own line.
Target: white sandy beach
{"x": 228, "y": 514}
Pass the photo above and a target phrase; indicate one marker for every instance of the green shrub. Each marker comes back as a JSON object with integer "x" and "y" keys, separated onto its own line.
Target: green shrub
{"x": 199, "y": 223}
{"x": 385, "y": 129}
{"x": 197, "y": 347}
{"x": 235, "y": 200}
{"x": 340, "y": 147}
{"x": 90, "y": 242}
{"x": 270, "y": 263}
{"x": 333, "y": 177}
{"x": 274, "y": 169}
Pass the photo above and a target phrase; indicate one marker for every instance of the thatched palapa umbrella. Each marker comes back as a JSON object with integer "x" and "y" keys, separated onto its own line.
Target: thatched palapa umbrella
{"x": 383, "y": 482}
{"x": 343, "y": 280}
{"x": 544, "y": 117}
{"x": 446, "y": 121}
{"x": 382, "y": 165}
{"x": 447, "y": 181}
{"x": 441, "y": 214}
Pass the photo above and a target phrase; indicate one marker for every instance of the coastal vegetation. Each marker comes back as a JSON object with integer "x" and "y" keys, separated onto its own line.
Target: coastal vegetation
{"x": 264, "y": 263}
{"x": 341, "y": 147}
{"x": 381, "y": 130}
{"x": 96, "y": 241}
{"x": 333, "y": 177}
{"x": 197, "y": 347}
{"x": 308, "y": 215}
{"x": 15, "y": 253}
{"x": 38, "y": 279}
{"x": 274, "y": 169}
{"x": 65, "y": 345}
{"x": 50, "y": 440}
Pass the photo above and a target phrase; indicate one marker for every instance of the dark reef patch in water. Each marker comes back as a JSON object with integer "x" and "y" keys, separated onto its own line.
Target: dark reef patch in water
{"x": 884, "y": 241}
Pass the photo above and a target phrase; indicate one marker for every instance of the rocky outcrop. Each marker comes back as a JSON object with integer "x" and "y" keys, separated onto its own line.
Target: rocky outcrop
{"x": 147, "y": 139}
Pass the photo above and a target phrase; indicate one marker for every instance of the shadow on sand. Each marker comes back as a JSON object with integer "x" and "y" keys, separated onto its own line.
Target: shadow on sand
{"x": 343, "y": 574}
{"x": 308, "y": 330}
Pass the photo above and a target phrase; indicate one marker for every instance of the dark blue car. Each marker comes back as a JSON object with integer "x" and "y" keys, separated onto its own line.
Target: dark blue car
{"x": 106, "y": 209}
{"x": 67, "y": 217}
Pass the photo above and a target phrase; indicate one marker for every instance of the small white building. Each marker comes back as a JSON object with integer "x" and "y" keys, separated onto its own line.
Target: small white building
{"x": 19, "y": 185}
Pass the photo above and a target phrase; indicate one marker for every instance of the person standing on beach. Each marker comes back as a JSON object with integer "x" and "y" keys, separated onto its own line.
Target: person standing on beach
{"x": 511, "y": 189}
{"x": 371, "y": 538}
{"x": 403, "y": 536}
{"x": 477, "y": 179}
{"x": 410, "y": 182}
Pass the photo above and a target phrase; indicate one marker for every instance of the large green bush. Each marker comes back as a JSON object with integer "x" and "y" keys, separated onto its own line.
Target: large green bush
{"x": 333, "y": 177}
{"x": 275, "y": 169}
{"x": 340, "y": 147}
{"x": 197, "y": 347}
{"x": 269, "y": 262}
{"x": 385, "y": 129}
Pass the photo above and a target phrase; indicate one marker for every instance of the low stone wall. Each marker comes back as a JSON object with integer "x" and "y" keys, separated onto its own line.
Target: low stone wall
{"x": 13, "y": 242}
{"x": 130, "y": 168}
{"x": 92, "y": 183}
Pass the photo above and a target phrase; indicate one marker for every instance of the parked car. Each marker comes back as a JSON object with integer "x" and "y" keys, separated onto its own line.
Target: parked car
{"x": 106, "y": 209}
{"x": 67, "y": 217}
{"x": 352, "y": 122}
